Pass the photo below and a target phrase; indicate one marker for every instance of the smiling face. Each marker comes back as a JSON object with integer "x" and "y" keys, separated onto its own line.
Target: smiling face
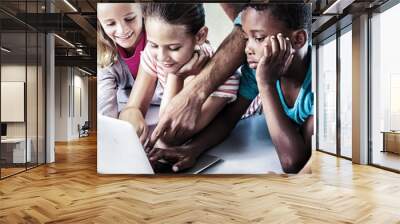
{"x": 121, "y": 22}
{"x": 258, "y": 25}
{"x": 171, "y": 45}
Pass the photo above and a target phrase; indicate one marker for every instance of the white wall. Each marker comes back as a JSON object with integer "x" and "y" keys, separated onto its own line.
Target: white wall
{"x": 61, "y": 103}
{"x": 80, "y": 111}
{"x": 16, "y": 73}
{"x": 33, "y": 126}
{"x": 82, "y": 83}
{"x": 12, "y": 101}
{"x": 218, "y": 23}
{"x": 71, "y": 94}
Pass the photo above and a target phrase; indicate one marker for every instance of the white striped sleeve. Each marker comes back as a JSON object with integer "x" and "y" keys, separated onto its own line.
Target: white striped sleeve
{"x": 229, "y": 89}
{"x": 253, "y": 108}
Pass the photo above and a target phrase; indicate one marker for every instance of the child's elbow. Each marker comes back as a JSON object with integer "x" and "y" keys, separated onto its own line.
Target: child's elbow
{"x": 291, "y": 167}
{"x": 294, "y": 165}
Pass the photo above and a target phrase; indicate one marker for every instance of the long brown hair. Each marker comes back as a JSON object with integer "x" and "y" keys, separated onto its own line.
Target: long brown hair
{"x": 190, "y": 15}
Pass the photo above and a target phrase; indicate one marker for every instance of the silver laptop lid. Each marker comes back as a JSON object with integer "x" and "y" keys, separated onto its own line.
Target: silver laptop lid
{"x": 119, "y": 150}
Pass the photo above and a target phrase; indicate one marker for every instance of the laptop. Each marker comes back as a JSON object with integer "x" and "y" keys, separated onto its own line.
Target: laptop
{"x": 119, "y": 151}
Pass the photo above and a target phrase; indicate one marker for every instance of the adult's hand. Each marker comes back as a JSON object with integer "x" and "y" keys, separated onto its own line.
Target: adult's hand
{"x": 182, "y": 113}
{"x": 180, "y": 116}
{"x": 180, "y": 157}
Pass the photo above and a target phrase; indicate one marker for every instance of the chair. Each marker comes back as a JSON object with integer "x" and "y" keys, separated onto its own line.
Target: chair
{"x": 84, "y": 130}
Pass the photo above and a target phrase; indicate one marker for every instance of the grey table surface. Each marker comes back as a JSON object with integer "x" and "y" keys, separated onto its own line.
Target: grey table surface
{"x": 248, "y": 149}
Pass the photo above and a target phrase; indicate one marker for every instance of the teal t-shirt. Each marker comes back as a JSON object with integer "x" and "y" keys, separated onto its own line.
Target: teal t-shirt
{"x": 304, "y": 104}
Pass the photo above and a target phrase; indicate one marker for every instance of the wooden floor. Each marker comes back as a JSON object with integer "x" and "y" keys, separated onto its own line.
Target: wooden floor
{"x": 70, "y": 191}
{"x": 10, "y": 171}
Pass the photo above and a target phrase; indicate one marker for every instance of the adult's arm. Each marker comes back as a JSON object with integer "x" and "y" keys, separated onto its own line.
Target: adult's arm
{"x": 221, "y": 126}
{"x": 185, "y": 156}
{"x": 183, "y": 111}
{"x": 232, "y": 9}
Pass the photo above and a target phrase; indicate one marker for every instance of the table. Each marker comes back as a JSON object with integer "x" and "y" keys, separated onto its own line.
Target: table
{"x": 391, "y": 141}
{"x": 248, "y": 149}
{"x": 17, "y": 150}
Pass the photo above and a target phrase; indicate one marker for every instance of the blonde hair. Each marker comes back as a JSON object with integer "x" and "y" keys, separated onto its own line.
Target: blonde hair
{"x": 106, "y": 48}
{"x": 107, "y": 52}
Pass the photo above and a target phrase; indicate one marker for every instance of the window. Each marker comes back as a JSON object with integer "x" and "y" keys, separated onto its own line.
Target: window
{"x": 346, "y": 92}
{"x": 385, "y": 88}
{"x": 326, "y": 86}
{"x": 22, "y": 67}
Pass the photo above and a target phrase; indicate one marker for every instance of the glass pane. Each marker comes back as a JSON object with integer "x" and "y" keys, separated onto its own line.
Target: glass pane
{"x": 41, "y": 98}
{"x": 327, "y": 96}
{"x": 13, "y": 86}
{"x": 31, "y": 101}
{"x": 345, "y": 94}
{"x": 385, "y": 86}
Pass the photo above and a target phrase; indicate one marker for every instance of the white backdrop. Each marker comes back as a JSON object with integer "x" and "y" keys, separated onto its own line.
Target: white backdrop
{"x": 12, "y": 101}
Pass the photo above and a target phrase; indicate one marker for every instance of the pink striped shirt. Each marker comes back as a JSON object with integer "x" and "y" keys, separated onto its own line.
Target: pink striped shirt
{"x": 255, "y": 107}
{"x": 152, "y": 67}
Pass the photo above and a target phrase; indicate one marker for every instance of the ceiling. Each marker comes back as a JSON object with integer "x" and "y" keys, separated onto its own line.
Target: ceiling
{"x": 332, "y": 15}
{"x": 76, "y": 26}
{"x": 76, "y": 23}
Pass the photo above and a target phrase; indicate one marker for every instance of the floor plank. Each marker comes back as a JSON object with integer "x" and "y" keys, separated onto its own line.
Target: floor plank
{"x": 70, "y": 191}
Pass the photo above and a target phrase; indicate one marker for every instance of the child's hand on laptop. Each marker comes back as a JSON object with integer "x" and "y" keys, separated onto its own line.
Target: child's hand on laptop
{"x": 278, "y": 56}
{"x": 181, "y": 157}
{"x": 135, "y": 117}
